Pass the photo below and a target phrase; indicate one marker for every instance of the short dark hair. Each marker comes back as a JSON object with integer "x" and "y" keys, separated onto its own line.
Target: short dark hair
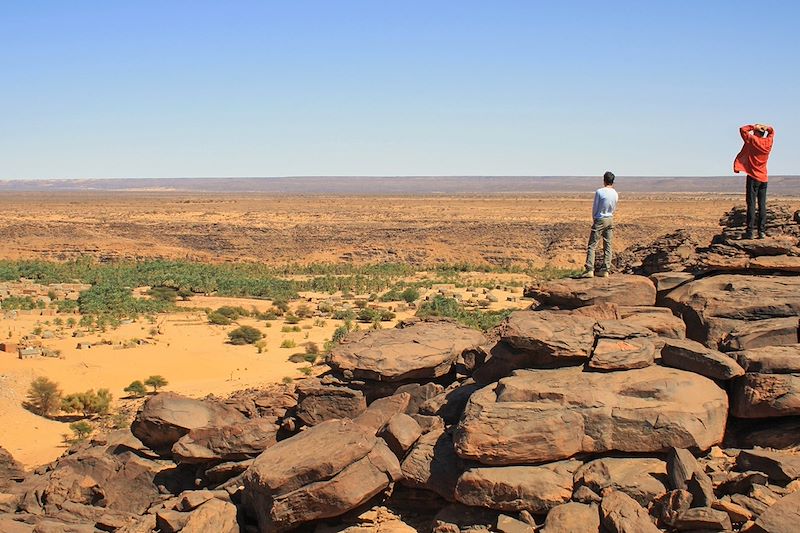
{"x": 608, "y": 178}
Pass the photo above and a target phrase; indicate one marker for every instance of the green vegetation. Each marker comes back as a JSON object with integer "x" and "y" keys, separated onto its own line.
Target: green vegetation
{"x": 87, "y": 403}
{"x": 156, "y": 381}
{"x": 288, "y": 343}
{"x": 22, "y": 302}
{"x": 374, "y": 315}
{"x": 452, "y": 308}
{"x": 136, "y": 389}
{"x": 111, "y": 300}
{"x": 408, "y": 295}
{"x": 245, "y": 335}
{"x": 44, "y": 397}
{"x": 81, "y": 429}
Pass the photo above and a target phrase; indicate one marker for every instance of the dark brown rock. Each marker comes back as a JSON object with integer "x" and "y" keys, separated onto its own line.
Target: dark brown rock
{"x": 545, "y": 415}
{"x": 670, "y": 506}
{"x": 10, "y": 470}
{"x": 643, "y": 479}
{"x": 760, "y": 333}
{"x": 424, "y": 350}
{"x": 318, "y": 403}
{"x": 419, "y": 394}
{"x": 619, "y": 513}
{"x": 573, "y": 517}
{"x": 298, "y": 480}
{"x": 766, "y": 395}
{"x": 659, "y": 320}
{"x": 685, "y": 473}
{"x": 771, "y": 359}
{"x": 549, "y": 339}
{"x": 703, "y": 518}
{"x": 714, "y": 306}
{"x": 695, "y": 357}
{"x": 166, "y": 417}
{"x": 382, "y": 410}
{"x": 400, "y": 433}
{"x": 432, "y": 464}
{"x": 225, "y": 443}
{"x": 783, "y": 517}
{"x": 781, "y": 467}
{"x": 535, "y": 489}
{"x": 619, "y": 289}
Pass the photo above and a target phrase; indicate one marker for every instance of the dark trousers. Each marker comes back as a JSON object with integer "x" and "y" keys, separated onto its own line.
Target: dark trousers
{"x": 756, "y": 191}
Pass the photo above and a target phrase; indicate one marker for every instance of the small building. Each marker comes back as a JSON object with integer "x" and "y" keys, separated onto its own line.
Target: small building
{"x": 9, "y": 347}
{"x": 29, "y": 352}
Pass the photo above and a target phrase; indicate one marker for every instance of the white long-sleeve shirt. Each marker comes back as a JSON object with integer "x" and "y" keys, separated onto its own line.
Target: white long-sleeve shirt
{"x": 605, "y": 203}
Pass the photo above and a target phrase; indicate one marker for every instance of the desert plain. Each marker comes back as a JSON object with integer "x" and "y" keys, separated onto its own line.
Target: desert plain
{"x": 499, "y": 242}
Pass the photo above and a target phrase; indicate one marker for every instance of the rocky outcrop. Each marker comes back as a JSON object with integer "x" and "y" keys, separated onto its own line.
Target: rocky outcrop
{"x": 548, "y": 339}
{"x": 225, "y": 443}
{"x": 643, "y": 479}
{"x": 547, "y": 415}
{"x": 10, "y": 470}
{"x": 695, "y": 357}
{"x": 425, "y": 350}
{"x": 572, "y": 293}
{"x": 298, "y": 480}
{"x": 166, "y": 417}
{"x": 318, "y": 402}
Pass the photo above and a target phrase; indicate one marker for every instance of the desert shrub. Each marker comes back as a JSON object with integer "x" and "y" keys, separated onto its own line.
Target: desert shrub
{"x": 304, "y": 311}
{"x": 19, "y": 302}
{"x": 410, "y": 295}
{"x": 297, "y": 358}
{"x": 452, "y": 308}
{"x": 320, "y": 323}
{"x": 71, "y": 322}
{"x": 136, "y": 389}
{"x": 373, "y": 315}
{"x": 261, "y": 346}
{"x": 339, "y": 333}
{"x": 66, "y": 306}
{"x": 290, "y": 329}
{"x": 310, "y": 358}
{"x": 288, "y": 343}
{"x": 81, "y": 429}
{"x": 112, "y": 299}
{"x": 344, "y": 314}
{"x": 245, "y": 335}
{"x": 281, "y": 304}
{"x": 307, "y": 370}
{"x": 156, "y": 382}
{"x": 312, "y": 348}
{"x": 392, "y": 295}
{"x": 218, "y": 319}
{"x": 232, "y": 312}
{"x": 88, "y": 403}
{"x": 291, "y": 319}
{"x": 287, "y": 380}
{"x": 44, "y": 397}
{"x": 325, "y": 308}
{"x": 163, "y": 294}
{"x": 269, "y": 315}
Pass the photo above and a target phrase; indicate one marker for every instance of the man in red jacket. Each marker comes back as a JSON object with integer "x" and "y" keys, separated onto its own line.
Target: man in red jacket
{"x": 752, "y": 160}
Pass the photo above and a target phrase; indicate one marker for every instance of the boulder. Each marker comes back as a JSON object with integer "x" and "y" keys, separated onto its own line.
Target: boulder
{"x": 171, "y": 521}
{"x": 573, "y": 517}
{"x": 659, "y": 320}
{"x": 572, "y": 293}
{"x": 780, "y": 263}
{"x": 318, "y": 403}
{"x": 760, "y": 333}
{"x": 668, "y": 507}
{"x": 778, "y": 433}
{"x": 715, "y": 306}
{"x": 432, "y": 464}
{"x": 695, "y": 357}
{"x": 225, "y": 443}
{"x": 382, "y": 410}
{"x": 214, "y": 515}
{"x": 685, "y": 473}
{"x": 424, "y": 350}
{"x": 298, "y": 480}
{"x": 10, "y": 470}
{"x": 666, "y": 281}
{"x": 643, "y": 479}
{"x": 506, "y": 524}
{"x": 400, "y": 433}
{"x": 621, "y": 354}
{"x": 771, "y": 359}
{"x": 535, "y": 489}
{"x": 620, "y": 513}
{"x": 450, "y": 404}
{"x": 782, "y": 517}
{"x": 781, "y": 467}
{"x": 736, "y": 513}
{"x": 704, "y": 519}
{"x": 546, "y": 415}
{"x": 548, "y": 339}
{"x": 166, "y": 417}
{"x": 766, "y": 395}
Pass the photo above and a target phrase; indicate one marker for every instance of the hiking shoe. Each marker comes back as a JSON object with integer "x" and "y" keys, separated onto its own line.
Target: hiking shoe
{"x": 604, "y": 274}
{"x": 587, "y": 274}
{"x": 748, "y": 235}
{"x": 762, "y": 234}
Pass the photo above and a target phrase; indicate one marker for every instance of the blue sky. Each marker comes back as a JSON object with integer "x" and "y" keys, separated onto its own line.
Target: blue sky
{"x": 337, "y": 87}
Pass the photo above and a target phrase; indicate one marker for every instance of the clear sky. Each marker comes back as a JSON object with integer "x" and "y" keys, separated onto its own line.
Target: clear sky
{"x": 173, "y": 88}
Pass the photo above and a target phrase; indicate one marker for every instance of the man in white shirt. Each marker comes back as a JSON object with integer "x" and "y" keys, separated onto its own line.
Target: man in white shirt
{"x": 605, "y": 203}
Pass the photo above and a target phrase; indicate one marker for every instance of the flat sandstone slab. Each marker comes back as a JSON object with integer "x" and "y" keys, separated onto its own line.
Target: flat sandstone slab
{"x": 620, "y": 289}
{"x": 545, "y": 415}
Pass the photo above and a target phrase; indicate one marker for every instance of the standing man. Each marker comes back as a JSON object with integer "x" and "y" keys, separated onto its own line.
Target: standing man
{"x": 605, "y": 203}
{"x": 752, "y": 160}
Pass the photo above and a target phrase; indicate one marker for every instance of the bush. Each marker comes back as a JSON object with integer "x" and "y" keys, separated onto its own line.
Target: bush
{"x": 88, "y": 403}
{"x": 450, "y": 307}
{"x": 312, "y": 348}
{"x": 218, "y": 319}
{"x": 163, "y": 294}
{"x": 288, "y": 343}
{"x": 373, "y": 315}
{"x": 291, "y": 319}
{"x": 290, "y": 329}
{"x": 344, "y": 314}
{"x": 410, "y": 295}
{"x": 245, "y": 335}
{"x": 287, "y": 380}
{"x": 304, "y": 311}
{"x": 307, "y": 370}
{"x": 233, "y": 312}
{"x": 81, "y": 429}
{"x": 44, "y": 397}
{"x": 136, "y": 389}
{"x": 156, "y": 381}
{"x": 282, "y": 305}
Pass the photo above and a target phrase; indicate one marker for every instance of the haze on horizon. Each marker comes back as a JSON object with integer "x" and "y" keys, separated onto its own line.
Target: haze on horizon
{"x": 361, "y": 88}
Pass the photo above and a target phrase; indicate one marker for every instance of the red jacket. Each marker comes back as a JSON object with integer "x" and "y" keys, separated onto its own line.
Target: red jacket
{"x": 752, "y": 160}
